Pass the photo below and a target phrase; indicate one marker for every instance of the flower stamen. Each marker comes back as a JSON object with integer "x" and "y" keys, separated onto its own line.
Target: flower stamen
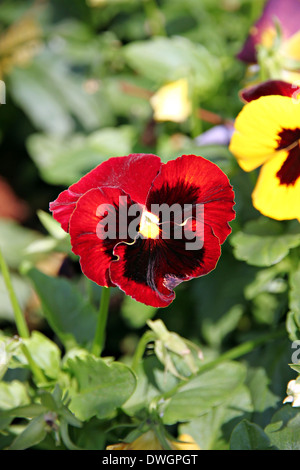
{"x": 149, "y": 225}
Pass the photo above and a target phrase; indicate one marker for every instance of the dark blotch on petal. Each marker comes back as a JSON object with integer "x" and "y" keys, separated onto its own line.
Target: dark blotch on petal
{"x": 289, "y": 139}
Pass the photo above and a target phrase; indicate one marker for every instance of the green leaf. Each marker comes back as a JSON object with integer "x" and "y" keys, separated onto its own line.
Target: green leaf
{"x": 34, "y": 433}
{"x": 8, "y": 348}
{"x": 64, "y": 162}
{"x": 45, "y": 353}
{"x": 263, "y": 399}
{"x": 284, "y": 429}
{"x": 268, "y": 376}
{"x": 166, "y": 59}
{"x": 123, "y": 103}
{"x": 152, "y": 378}
{"x": 91, "y": 110}
{"x": 69, "y": 314}
{"x": 295, "y": 367}
{"x": 39, "y": 102}
{"x": 201, "y": 393}
{"x": 14, "y": 240}
{"x": 51, "y": 225}
{"x": 293, "y": 326}
{"x": 294, "y": 292}
{"x": 267, "y": 308}
{"x": 53, "y": 97}
{"x": 26, "y": 411}
{"x": 270, "y": 280}
{"x": 249, "y": 436}
{"x": 23, "y": 293}
{"x": 263, "y": 242}
{"x": 293, "y": 320}
{"x": 13, "y": 394}
{"x": 218, "y": 315}
{"x": 101, "y": 388}
{"x": 166, "y": 343}
{"x": 135, "y": 313}
{"x": 213, "y": 429}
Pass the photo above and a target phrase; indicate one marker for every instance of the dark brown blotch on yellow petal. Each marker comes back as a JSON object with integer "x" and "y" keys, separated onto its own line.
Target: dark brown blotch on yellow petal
{"x": 289, "y": 140}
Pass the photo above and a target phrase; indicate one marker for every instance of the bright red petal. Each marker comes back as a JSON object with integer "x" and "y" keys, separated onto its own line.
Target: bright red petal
{"x": 193, "y": 180}
{"x": 269, "y": 87}
{"x": 95, "y": 230}
{"x": 133, "y": 174}
{"x": 149, "y": 269}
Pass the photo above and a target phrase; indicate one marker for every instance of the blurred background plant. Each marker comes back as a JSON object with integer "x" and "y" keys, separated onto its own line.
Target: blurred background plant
{"x": 85, "y": 81}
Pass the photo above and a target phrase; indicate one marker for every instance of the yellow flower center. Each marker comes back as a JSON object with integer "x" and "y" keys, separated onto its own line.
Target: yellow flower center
{"x": 149, "y": 225}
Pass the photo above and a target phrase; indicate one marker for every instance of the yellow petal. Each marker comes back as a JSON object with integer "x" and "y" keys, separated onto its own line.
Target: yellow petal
{"x": 254, "y": 141}
{"x": 120, "y": 446}
{"x": 291, "y": 77}
{"x": 291, "y": 47}
{"x": 275, "y": 200}
{"x": 146, "y": 441}
{"x": 171, "y": 102}
{"x": 186, "y": 443}
{"x": 149, "y": 441}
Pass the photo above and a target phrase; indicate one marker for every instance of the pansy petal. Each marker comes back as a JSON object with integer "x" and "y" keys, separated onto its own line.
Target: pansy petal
{"x": 217, "y": 135}
{"x": 95, "y": 230}
{"x": 291, "y": 48}
{"x": 192, "y": 180}
{"x": 171, "y": 102}
{"x": 149, "y": 269}
{"x": 257, "y": 128}
{"x": 133, "y": 174}
{"x": 263, "y": 32}
{"x": 269, "y": 87}
{"x": 271, "y": 197}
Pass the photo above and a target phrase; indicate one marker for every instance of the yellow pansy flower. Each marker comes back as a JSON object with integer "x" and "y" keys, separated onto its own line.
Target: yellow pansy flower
{"x": 149, "y": 441}
{"x": 267, "y": 135}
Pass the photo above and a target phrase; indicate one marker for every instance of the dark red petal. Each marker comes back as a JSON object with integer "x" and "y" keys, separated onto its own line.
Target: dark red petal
{"x": 87, "y": 224}
{"x": 148, "y": 270}
{"x": 269, "y": 87}
{"x": 133, "y": 173}
{"x": 288, "y": 14}
{"x": 192, "y": 180}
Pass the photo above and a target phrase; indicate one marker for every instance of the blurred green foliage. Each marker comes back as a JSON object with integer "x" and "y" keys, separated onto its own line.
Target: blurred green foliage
{"x": 79, "y": 76}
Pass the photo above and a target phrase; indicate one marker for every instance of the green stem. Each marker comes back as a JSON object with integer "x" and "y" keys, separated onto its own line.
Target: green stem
{"x": 101, "y": 323}
{"x": 37, "y": 372}
{"x": 233, "y": 353}
{"x": 196, "y": 121}
{"x": 155, "y": 18}
{"x": 145, "y": 339}
{"x": 21, "y": 324}
{"x": 89, "y": 289}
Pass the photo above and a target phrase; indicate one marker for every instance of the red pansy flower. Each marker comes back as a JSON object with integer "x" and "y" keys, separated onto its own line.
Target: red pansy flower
{"x": 145, "y": 226}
